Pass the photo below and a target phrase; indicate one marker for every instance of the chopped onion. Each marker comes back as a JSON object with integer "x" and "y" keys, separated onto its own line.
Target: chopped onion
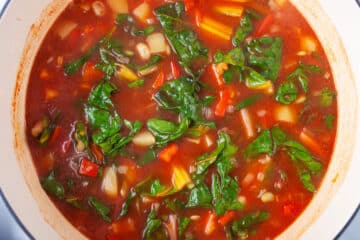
{"x": 267, "y": 197}
{"x": 210, "y": 224}
{"x": 171, "y": 227}
{"x": 157, "y": 43}
{"x": 142, "y": 12}
{"x": 109, "y": 182}
{"x": 64, "y": 28}
{"x": 143, "y": 51}
{"x": 308, "y": 44}
{"x": 247, "y": 123}
{"x": 98, "y": 8}
{"x": 285, "y": 114}
{"x": 123, "y": 72}
{"x": 144, "y": 139}
{"x": 119, "y": 6}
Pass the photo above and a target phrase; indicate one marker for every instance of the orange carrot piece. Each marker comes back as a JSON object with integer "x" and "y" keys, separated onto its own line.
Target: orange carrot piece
{"x": 225, "y": 219}
{"x": 168, "y": 152}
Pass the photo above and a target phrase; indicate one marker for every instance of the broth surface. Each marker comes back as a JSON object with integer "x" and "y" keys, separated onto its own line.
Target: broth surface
{"x": 181, "y": 120}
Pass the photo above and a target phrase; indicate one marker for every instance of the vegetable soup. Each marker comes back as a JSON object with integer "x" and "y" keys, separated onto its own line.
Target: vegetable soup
{"x": 194, "y": 119}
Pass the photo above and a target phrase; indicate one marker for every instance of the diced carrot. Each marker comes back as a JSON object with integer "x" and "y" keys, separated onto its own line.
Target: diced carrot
{"x": 216, "y": 28}
{"x": 229, "y": 10}
{"x": 97, "y": 152}
{"x": 225, "y": 219}
{"x": 89, "y": 73}
{"x": 309, "y": 141}
{"x": 223, "y": 103}
{"x": 168, "y": 152}
{"x": 175, "y": 69}
{"x": 210, "y": 224}
{"x": 264, "y": 25}
{"x": 88, "y": 168}
{"x": 159, "y": 80}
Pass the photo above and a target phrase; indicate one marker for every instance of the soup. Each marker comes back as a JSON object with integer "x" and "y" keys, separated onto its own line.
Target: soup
{"x": 181, "y": 120}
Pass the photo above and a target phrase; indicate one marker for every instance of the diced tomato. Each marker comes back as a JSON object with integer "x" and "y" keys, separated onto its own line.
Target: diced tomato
{"x": 175, "y": 69}
{"x": 168, "y": 152}
{"x": 90, "y": 73}
{"x": 268, "y": 20}
{"x": 88, "y": 168}
{"x": 223, "y": 103}
{"x": 225, "y": 219}
{"x": 159, "y": 80}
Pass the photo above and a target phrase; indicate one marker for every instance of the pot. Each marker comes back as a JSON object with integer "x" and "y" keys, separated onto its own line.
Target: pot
{"x": 327, "y": 213}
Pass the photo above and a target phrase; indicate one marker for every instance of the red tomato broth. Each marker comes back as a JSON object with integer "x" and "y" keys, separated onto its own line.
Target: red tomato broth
{"x": 138, "y": 104}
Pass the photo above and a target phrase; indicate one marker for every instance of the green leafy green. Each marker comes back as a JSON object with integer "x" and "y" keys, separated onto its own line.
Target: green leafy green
{"x": 149, "y": 156}
{"x": 242, "y": 227}
{"x": 143, "y": 32}
{"x": 200, "y": 196}
{"x": 183, "y": 223}
{"x": 301, "y": 74}
{"x": 100, "y": 208}
{"x": 253, "y": 78}
{"x": 181, "y": 96}
{"x": 329, "y": 121}
{"x": 192, "y": 53}
{"x": 165, "y": 131}
{"x": 271, "y": 140}
{"x": 153, "y": 225}
{"x": 52, "y": 186}
{"x": 106, "y": 125}
{"x": 327, "y": 97}
{"x": 265, "y": 54}
{"x": 247, "y": 101}
{"x": 125, "y": 206}
{"x": 286, "y": 93}
{"x": 76, "y": 65}
{"x": 152, "y": 62}
{"x": 234, "y": 57}
{"x": 243, "y": 30}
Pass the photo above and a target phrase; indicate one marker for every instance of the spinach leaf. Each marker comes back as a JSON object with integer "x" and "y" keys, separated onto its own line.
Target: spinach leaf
{"x": 200, "y": 196}
{"x": 253, "y": 78}
{"x": 261, "y": 145}
{"x": 265, "y": 54}
{"x": 143, "y": 32}
{"x": 52, "y": 186}
{"x": 181, "y": 96}
{"x": 327, "y": 97}
{"x": 243, "y": 226}
{"x": 183, "y": 223}
{"x": 153, "y": 225}
{"x": 125, "y": 206}
{"x": 287, "y": 93}
{"x": 301, "y": 74}
{"x": 234, "y": 57}
{"x": 76, "y": 65}
{"x": 183, "y": 40}
{"x": 152, "y": 62}
{"x": 243, "y": 30}
{"x": 149, "y": 156}
{"x": 271, "y": 140}
{"x": 165, "y": 131}
{"x": 100, "y": 208}
{"x": 329, "y": 121}
{"x": 247, "y": 101}
{"x": 206, "y": 160}
{"x": 225, "y": 194}
{"x": 100, "y": 95}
